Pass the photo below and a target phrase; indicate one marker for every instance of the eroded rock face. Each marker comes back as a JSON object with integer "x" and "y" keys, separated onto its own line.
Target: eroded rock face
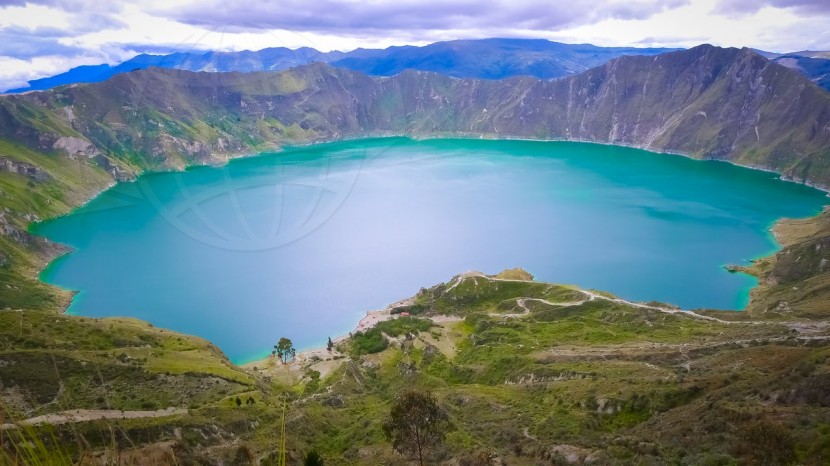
{"x": 76, "y": 147}
{"x": 117, "y": 173}
{"x": 572, "y": 454}
{"x": 801, "y": 261}
{"x": 22, "y": 168}
{"x": 8, "y": 229}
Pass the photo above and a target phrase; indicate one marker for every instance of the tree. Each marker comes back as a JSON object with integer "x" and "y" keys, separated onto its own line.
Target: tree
{"x": 238, "y": 402}
{"x": 416, "y": 423}
{"x": 312, "y": 458}
{"x": 329, "y": 345}
{"x": 284, "y": 349}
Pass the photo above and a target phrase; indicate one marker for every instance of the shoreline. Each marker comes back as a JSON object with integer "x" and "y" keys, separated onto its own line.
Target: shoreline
{"x": 369, "y": 320}
{"x": 372, "y": 315}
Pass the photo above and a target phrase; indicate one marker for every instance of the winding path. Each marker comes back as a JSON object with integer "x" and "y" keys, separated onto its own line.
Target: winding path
{"x": 593, "y": 296}
{"x": 86, "y": 415}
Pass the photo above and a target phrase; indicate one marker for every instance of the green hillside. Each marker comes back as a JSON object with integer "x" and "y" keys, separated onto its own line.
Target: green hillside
{"x": 527, "y": 372}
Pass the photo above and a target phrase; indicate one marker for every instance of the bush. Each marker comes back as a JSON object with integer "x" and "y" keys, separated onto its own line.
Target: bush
{"x": 402, "y": 325}
{"x": 373, "y": 341}
{"x": 368, "y": 342}
{"x": 766, "y": 443}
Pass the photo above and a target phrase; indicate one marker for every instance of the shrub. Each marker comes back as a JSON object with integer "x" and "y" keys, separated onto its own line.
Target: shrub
{"x": 766, "y": 443}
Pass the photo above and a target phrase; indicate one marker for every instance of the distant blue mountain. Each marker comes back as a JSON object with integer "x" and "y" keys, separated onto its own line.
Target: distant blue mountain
{"x": 489, "y": 58}
{"x": 478, "y": 58}
{"x": 277, "y": 58}
{"x": 816, "y": 68}
{"x": 482, "y": 58}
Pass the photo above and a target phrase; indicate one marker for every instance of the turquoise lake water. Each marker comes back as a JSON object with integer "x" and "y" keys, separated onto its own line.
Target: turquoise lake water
{"x": 302, "y": 243}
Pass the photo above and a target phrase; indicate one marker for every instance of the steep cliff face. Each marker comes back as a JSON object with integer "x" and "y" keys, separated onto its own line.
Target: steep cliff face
{"x": 706, "y": 102}
{"x": 22, "y": 168}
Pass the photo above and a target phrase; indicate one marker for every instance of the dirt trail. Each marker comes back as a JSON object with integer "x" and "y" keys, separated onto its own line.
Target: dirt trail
{"x": 636, "y": 349}
{"x": 592, "y": 296}
{"x": 325, "y": 362}
{"x": 86, "y": 415}
{"x": 521, "y": 302}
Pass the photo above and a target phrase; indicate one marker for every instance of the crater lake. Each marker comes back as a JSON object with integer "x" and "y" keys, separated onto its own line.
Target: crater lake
{"x": 303, "y": 242}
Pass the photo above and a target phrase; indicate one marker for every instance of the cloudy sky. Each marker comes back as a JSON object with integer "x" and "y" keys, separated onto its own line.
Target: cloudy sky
{"x": 44, "y": 37}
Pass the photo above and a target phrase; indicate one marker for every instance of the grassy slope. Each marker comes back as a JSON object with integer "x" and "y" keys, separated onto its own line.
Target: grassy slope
{"x": 51, "y": 363}
{"x": 66, "y": 184}
{"x": 602, "y": 379}
{"x": 55, "y": 361}
{"x": 795, "y": 282}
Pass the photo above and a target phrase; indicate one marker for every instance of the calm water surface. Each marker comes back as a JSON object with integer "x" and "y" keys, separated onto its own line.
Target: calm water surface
{"x": 302, "y": 243}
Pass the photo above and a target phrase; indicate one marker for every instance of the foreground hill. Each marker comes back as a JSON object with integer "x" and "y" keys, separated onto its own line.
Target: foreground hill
{"x": 527, "y": 372}
{"x": 59, "y": 147}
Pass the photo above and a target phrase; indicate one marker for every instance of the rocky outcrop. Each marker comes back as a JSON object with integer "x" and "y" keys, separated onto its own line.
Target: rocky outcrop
{"x": 801, "y": 261}
{"x": 21, "y": 168}
{"x": 76, "y": 147}
{"x": 7, "y": 228}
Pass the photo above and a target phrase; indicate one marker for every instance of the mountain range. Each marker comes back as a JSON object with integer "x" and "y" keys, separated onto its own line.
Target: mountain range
{"x": 815, "y": 66}
{"x": 705, "y": 102}
{"x": 483, "y": 58}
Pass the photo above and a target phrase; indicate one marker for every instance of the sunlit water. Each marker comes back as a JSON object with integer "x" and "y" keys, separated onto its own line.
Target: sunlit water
{"x": 302, "y": 243}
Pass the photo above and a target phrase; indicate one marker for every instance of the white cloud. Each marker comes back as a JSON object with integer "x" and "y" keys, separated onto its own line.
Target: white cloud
{"x": 16, "y": 73}
{"x": 768, "y": 28}
{"x": 66, "y": 33}
{"x": 34, "y": 16}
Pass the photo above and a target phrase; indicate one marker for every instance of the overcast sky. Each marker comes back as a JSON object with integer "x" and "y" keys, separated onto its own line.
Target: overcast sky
{"x": 44, "y": 37}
